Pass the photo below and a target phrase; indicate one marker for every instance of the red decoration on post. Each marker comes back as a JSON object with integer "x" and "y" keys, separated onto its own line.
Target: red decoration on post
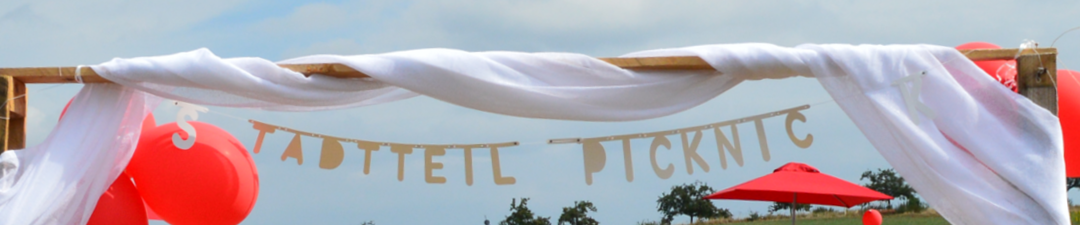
{"x": 1069, "y": 115}
{"x": 120, "y": 204}
{"x": 213, "y": 182}
{"x": 1004, "y": 71}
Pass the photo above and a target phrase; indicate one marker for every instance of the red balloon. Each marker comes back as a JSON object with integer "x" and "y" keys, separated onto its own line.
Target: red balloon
{"x": 1069, "y": 115}
{"x": 120, "y": 204}
{"x": 978, "y": 45}
{"x": 1004, "y": 71}
{"x": 871, "y": 217}
{"x": 213, "y": 182}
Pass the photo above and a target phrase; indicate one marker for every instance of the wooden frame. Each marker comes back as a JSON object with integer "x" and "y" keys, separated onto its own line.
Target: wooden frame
{"x": 13, "y": 124}
{"x": 1036, "y": 74}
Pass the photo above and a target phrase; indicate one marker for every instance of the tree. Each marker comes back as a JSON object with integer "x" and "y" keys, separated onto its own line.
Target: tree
{"x": 575, "y": 215}
{"x": 689, "y": 200}
{"x": 1071, "y": 183}
{"x": 521, "y": 215}
{"x": 888, "y": 182}
{"x": 911, "y": 205}
{"x": 778, "y": 206}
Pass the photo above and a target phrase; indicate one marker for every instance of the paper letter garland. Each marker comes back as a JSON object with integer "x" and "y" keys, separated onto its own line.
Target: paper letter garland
{"x": 294, "y": 150}
{"x": 186, "y": 110}
{"x": 430, "y": 166}
{"x": 595, "y": 156}
{"x": 333, "y": 153}
{"x": 690, "y": 152}
{"x": 593, "y": 152}
{"x": 656, "y": 143}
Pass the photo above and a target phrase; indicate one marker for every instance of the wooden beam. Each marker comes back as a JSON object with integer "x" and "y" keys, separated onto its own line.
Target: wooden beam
{"x": 1005, "y": 53}
{"x": 330, "y": 69}
{"x": 661, "y": 63}
{"x": 34, "y": 75}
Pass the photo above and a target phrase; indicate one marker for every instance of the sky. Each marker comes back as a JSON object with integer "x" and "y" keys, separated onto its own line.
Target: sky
{"x": 67, "y": 33}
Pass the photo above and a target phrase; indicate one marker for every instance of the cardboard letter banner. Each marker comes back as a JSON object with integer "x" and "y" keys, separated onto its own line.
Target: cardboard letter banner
{"x": 294, "y": 150}
{"x": 594, "y": 154}
{"x": 595, "y": 158}
{"x": 333, "y": 153}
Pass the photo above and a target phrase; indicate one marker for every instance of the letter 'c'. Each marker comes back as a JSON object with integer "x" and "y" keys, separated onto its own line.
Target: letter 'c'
{"x": 656, "y": 143}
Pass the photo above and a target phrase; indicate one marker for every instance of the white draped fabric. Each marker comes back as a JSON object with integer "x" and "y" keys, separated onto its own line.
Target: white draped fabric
{"x": 977, "y": 152}
{"x": 60, "y": 180}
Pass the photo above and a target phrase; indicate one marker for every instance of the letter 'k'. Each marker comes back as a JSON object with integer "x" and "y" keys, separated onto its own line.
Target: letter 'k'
{"x": 910, "y": 94}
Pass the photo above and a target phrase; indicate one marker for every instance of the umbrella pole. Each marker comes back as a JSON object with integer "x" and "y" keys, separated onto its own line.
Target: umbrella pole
{"x": 794, "y": 198}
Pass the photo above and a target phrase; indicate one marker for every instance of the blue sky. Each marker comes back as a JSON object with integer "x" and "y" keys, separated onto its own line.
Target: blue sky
{"x": 67, "y": 33}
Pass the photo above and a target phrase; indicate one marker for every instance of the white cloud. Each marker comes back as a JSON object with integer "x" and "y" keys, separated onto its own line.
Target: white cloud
{"x": 336, "y": 46}
{"x": 317, "y": 17}
{"x": 49, "y": 32}
{"x": 606, "y": 28}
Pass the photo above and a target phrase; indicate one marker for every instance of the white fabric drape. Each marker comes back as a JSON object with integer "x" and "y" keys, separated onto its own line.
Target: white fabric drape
{"x": 60, "y": 180}
{"x": 988, "y": 156}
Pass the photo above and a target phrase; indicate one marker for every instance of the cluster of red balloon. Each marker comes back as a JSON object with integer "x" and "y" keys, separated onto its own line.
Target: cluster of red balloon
{"x": 1068, "y": 85}
{"x": 213, "y": 182}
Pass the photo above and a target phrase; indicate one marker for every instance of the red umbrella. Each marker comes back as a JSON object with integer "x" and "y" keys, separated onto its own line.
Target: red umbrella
{"x": 798, "y": 182}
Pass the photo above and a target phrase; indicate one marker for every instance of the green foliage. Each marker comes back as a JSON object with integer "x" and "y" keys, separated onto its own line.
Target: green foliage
{"x": 912, "y": 204}
{"x": 753, "y": 216}
{"x": 823, "y": 210}
{"x": 888, "y": 182}
{"x": 851, "y": 219}
{"x": 648, "y": 222}
{"x": 779, "y": 206}
{"x": 689, "y": 200}
{"x": 521, "y": 215}
{"x": 576, "y": 215}
{"x": 1071, "y": 183}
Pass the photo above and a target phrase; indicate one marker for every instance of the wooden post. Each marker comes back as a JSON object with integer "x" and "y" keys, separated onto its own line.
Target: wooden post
{"x": 1036, "y": 79}
{"x": 13, "y": 114}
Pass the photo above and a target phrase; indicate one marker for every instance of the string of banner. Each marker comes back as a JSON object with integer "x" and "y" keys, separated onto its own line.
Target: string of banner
{"x": 594, "y": 154}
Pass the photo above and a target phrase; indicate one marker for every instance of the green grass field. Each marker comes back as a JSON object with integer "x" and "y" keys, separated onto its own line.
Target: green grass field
{"x": 855, "y": 218}
{"x": 887, "y": 220}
